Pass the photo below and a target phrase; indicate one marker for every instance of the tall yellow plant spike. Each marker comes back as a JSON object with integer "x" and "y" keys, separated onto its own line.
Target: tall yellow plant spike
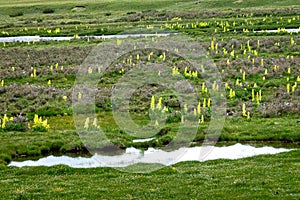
{"x": 244, "y": 110}
{"x": 248, "y": 115}
{"x": 227, "y": 86}
{"x": 185, "y": 108}
{"x": 232, "y": 53}
{"x": 5, "y": 119}
{"x": 95, "y": 123}
{"x": 166, "y": 109}
{"x": 230, "y": 94}
{"x": 152, "y": 104}
{"x": 199, "y": 108}
{"x": 212, "y": 45}
{"x": 288, "y": 88}
{"x": 260, "y": 96}
{"x": 159, "y": 104}
{"x": 36, "y": 119}
{"x": 257, "y": 98}
{"x": 204, "y": 103}
{"x": 228, "y": 62}
{"x": 214, "y": 85}
{"x": 79, "y": 95}
{"x": 86, "y": 123}
{"x": 202, "y": 119}
{"x": 149, "y": 57}
{"x": 293, "y": 88}
{"x": 203, "y": 87}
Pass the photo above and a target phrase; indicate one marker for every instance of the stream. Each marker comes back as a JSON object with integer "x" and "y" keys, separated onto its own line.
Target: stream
{"x": 66, "y": 38}
{"x": 133, "y": 156}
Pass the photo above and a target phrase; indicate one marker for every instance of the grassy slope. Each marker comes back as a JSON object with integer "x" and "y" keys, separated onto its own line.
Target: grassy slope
{"x": 125, "y": 4}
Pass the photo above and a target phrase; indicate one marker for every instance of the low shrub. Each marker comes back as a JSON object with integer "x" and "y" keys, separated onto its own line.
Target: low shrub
{"x": 48, "y": 11}
{"x": 17, "y": 14}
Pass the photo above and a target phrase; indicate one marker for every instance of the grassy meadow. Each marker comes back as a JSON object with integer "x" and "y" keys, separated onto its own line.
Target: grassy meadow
{"x": 260, "y": 74}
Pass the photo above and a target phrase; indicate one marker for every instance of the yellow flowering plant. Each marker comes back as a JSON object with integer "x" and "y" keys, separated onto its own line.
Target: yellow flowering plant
{"x": 17, "y": 123}
{"x": 39, "y": 124}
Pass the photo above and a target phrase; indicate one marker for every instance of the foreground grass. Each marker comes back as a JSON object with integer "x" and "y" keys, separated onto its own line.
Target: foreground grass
{"x": 260, "y": 177}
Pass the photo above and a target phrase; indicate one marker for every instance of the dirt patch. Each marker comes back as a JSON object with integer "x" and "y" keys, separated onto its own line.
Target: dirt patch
{"x": 78, "y": 8}
{"x": 238, "y": 1}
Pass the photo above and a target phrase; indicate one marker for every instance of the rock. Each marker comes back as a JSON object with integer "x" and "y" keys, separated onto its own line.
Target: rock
{"x": 234, "y": 42}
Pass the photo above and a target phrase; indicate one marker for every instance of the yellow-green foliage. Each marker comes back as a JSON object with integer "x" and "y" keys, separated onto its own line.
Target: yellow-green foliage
{"x": 94, "y": 125}
{"x": 39, "y": 124}
{"x": 5, "y": 119}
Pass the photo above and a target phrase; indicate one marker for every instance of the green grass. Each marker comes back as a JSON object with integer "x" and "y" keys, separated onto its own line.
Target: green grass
{"x": 260, "y": 177}
{"x": 106, "y": 17}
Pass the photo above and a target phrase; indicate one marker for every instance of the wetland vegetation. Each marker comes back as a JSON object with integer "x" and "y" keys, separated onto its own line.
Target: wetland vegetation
{"x": 260, "y": 78}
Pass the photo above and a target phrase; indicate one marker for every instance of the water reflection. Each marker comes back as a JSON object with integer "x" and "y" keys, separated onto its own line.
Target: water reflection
{"x": 134, "y": 156}
{"x": 66, "y": 38}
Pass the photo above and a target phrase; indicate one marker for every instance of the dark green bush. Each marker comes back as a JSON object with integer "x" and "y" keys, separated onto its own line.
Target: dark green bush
{"x": 48, "y": 11}
{"x": 17, "y": 14}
